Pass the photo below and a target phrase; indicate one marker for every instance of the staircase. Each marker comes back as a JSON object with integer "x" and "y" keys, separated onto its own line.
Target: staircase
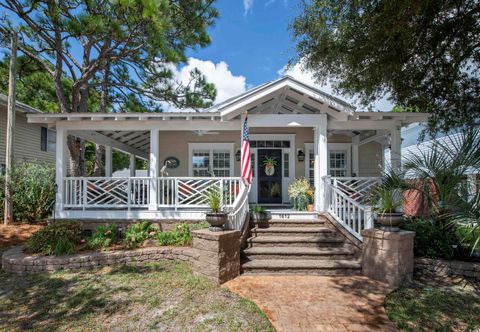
{"x": 299, "y": 246}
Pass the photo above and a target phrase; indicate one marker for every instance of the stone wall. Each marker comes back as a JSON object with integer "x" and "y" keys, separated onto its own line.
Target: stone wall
{"x": 447, "y": 268}
{"x": 16, "y": 261}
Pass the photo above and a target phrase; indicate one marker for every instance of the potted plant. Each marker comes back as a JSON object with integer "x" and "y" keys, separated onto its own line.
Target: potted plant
{"x": 216, "y": 218}
{"x": 258, "y": 214}
{"x": 269, "y": 163}
{"x": 298, "y": 191}
{"x": 388, "y": 203}
{"x": 310, "y": 194}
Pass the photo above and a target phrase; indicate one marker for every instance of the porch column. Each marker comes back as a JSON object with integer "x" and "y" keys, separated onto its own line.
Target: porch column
{"x": 154, "y": 167}
{"x": 321, "y": 167}
{"x": 61, "y": 154}
{"x": 355, "y": 155}
{"x": 108, "y": 161}
{"x": 132, "y": 165}
{"x": 395, "y": 149}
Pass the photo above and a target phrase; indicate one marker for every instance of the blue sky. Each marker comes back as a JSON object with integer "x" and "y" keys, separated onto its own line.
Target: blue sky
{"x": 253, "y": 40}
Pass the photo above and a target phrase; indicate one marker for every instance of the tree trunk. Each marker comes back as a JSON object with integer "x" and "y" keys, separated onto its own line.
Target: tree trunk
{"x": 76, "y": 146}
{"x": 98, "y": 165}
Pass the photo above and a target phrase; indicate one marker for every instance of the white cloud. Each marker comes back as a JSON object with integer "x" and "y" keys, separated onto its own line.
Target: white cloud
{"x": 298, "y": 72}
{"x": 227, "y": 84}
{"x": 247, "y": 6}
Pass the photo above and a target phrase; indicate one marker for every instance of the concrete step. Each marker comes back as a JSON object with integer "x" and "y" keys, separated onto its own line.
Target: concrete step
{"x": 294, "y": 231}
{"x": 298, "y": 253}
{"x": 322, "y": 240}
{"x": 291, "y": 223}
{"x": 291, "y": 214}
{"x": 302, "y": 266}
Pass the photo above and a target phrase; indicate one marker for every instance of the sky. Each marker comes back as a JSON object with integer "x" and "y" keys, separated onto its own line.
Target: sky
{"x": 251, "y": 45}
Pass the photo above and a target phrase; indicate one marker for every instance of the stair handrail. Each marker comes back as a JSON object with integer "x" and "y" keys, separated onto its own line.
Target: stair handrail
{"x": 239, "y": 212}
{"x": 348, "y": 212}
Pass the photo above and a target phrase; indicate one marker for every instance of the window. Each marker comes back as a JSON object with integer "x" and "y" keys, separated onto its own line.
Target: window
{"x": 211, "y": 159}
{"x": 48, "y": 139}
{"x": 286, "y": 165}
{"x": 338, "y": 162}
{"x": 311, "y": 167}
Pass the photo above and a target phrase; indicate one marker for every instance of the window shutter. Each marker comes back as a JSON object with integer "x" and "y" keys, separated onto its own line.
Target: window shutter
{"x": 44, "y": 139}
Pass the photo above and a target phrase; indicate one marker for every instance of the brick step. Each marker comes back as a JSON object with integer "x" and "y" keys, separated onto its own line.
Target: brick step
{"x": 298, "y": 231}
{"x": 302, "y": 266}
{"x": 323, "y": 240}
{"x": 299, "y": 253}
{"x": 291, "y": 223}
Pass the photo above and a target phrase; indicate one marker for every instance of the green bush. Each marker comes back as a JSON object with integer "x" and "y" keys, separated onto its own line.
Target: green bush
{"x": 58, "y": 238}
{"x": 137, "y": 233}
{"x": 103, "y": 237}
{"x": 180, "y": 236}
{"x": 431, "y": 239}
{"x": 33, "y": 192}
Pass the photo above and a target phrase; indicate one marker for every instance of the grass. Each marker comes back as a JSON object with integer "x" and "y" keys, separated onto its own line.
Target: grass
{"x": 433, "y": 307}
{"x": 161, "y": 296}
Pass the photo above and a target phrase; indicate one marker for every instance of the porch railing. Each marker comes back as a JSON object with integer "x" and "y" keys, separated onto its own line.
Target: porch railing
{"x": 348, "y": 202}
{"x": 238, "y": 215}
{"x": 134, "y": 192}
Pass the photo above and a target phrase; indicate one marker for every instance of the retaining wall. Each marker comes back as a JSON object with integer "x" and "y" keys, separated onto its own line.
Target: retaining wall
{"x": 447, "y": 268}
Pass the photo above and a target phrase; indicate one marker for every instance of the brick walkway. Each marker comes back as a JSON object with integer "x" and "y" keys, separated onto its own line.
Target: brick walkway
{"x": 317, "y": 303}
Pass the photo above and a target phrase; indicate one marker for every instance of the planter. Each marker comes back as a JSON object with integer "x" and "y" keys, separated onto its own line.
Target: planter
{"x": 216, "y": 221}
{"x": 310, "y": 207}
{"x": 390, "y": 221}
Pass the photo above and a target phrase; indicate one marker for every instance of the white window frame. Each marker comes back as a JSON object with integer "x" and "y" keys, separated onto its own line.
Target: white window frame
{"x": 211, "y": 147}
{"x": 331, "y": 147}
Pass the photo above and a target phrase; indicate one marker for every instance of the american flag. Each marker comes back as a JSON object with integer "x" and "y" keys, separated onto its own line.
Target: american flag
{"x": 246, "y": 162}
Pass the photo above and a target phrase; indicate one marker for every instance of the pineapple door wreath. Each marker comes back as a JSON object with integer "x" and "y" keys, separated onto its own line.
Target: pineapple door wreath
{"x": 269, "y": 163}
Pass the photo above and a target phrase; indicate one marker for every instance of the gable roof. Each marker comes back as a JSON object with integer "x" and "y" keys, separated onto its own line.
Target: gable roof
{"x": 19, "y": 107}
{"x": 284, "y": 95}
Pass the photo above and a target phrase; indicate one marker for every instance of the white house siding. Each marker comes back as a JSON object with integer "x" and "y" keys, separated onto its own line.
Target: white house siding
{"x": 370, "y": 159}
{"x": 27, "y": 140}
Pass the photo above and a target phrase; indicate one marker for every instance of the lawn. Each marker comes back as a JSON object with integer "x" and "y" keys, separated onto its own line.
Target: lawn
{"x": 429, "y": 306}
{"x": 165, "y": 296}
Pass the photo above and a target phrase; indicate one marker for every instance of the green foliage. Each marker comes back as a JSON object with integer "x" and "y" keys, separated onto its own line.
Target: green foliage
{"x": 103, "y": 237}
{"x": 465, "y": 217}
{"x": 432, "y": 239}
{"x": 180, "y": 236}
{"x": 424, "y": 54}
{"x": 214, "y": 200}
{"x": 301, "y": 193}
{"x": 269, "y": 161}
{"x": 257, "y": 209}
{"x": 33, "y": 192}
{"x": 387, "y": 200}
{"x": 58, "y": 238}
{"x": 137, "y": 233}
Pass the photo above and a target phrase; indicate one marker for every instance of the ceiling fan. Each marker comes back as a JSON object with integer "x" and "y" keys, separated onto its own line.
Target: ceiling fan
{"x": 205, "y": 132}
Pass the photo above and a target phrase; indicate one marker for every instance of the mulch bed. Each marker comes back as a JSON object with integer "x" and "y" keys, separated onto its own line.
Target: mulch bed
{"x": 16, "y": 234}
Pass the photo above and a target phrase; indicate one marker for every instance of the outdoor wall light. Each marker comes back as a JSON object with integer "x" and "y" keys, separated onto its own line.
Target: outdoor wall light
{"x": 238, "y": 155}
{"x": 300, "y": 155}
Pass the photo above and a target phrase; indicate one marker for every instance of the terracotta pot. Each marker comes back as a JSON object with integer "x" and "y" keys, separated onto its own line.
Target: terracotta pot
{"x": 310, "y": 207}
{"x": 216, "y": 221}
{"x": 390, "y": 221}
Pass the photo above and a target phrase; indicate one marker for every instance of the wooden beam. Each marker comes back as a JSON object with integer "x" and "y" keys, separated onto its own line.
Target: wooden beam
{"x": 101, "y": 139}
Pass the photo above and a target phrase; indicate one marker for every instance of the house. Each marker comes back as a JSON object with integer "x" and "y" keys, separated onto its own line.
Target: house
{"x": 33, "y": 142}
{"x": 308, "y": 132}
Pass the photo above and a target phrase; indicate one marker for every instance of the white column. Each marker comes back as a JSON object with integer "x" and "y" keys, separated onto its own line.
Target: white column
{"x": 132, "y": 165}
{"x": 154, "y": 167}
{"x": 395, "y": 149}
{"x": 108, "y": 161}
{"x": 321, "y": 160}
{"x": 61, "y": 154}
{"x": 355, "y": 155}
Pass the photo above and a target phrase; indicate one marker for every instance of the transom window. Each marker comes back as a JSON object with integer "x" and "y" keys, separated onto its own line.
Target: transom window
{"x": 269, "y": 144}
{"x": 211, "y": 159}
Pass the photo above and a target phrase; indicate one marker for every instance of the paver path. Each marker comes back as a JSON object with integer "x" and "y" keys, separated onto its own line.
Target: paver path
{"x": 317, "y": 303}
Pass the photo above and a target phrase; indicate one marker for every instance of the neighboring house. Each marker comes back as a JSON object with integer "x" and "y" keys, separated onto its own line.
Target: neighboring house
{"x": 32, "y": 142}
{"x": 309, "y": 133}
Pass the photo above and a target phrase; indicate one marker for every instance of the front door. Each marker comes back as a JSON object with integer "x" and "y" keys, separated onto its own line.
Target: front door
{"x": 269, "y": 170}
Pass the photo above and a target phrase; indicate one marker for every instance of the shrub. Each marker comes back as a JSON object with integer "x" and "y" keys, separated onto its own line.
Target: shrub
{"x": 431, "y": 239}
{"x": 33, "y": 192}
{"x": 103, "y": 237}
{"x": 58, "y": 238}
{"x": 180, "y": 236}
{"x": 137, "y": 233}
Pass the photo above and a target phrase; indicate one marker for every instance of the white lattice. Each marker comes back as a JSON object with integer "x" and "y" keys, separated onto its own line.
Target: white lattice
{"x": 358, "y": 189}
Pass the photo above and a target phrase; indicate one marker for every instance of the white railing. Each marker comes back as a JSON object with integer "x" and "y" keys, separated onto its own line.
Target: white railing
{"x": 193, "y": 192}
{"x": 238, "y": 215}
{"x": 134, "y": 192}
{"x": 347, "y": 201}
